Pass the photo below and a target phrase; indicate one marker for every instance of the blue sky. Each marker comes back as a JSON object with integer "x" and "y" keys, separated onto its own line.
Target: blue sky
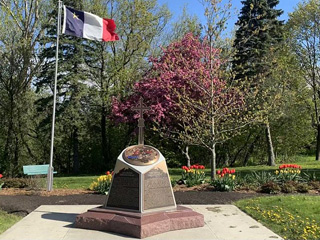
{"x": 195, "y": 8}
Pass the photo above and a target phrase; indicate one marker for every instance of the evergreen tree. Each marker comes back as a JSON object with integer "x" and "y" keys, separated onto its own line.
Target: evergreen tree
{"x": 259, "y": 31}
{"x": 257, "y": 40}
{"x": 70, "y": 90}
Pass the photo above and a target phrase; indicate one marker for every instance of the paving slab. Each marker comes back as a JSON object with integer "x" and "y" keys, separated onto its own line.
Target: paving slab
{"x": 55, "y": 222}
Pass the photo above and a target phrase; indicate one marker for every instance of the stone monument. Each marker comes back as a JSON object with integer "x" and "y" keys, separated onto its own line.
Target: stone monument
{"x": 140, "y": 202}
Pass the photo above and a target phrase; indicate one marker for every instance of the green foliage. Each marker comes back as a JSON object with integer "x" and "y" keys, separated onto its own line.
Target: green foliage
{"x": 19, "y": 36}
{"x": 173, "y": 182}
{"x": 260, "y": 178}
{"x": 224, "y": 184}
{"x": 303, "y": 34}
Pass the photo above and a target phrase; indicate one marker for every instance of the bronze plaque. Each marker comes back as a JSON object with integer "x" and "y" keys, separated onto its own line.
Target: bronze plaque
{"x": 124, "y": 192}
{"x": 141, "y": 155}
{"x": 157, "y": 189}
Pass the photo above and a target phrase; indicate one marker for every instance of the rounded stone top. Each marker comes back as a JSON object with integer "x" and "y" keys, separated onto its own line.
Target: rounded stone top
{"x": 141, "y": 155}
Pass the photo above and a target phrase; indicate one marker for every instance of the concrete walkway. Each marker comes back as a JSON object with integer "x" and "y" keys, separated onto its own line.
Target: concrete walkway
{"x": 55, "y": 222}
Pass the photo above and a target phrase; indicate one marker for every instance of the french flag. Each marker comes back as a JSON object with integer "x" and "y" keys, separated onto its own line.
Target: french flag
{"x": 87, "y": 25}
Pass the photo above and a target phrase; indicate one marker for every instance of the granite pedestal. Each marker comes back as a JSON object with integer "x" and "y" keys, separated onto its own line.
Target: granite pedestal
{"x": 139, "y": 225}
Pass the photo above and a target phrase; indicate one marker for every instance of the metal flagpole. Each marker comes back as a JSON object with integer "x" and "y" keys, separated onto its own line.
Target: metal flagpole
{"x": 50, "y": 171}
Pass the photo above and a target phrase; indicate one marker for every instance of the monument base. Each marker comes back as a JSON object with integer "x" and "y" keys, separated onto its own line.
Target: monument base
{"x": 139, "y": 225}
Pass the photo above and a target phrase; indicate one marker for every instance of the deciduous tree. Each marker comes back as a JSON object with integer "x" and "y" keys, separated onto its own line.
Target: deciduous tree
{"x": 304, "y": 32}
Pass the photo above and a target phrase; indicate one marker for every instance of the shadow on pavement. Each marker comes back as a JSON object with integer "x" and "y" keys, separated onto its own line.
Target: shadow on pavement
{"x": 58, "y": 216}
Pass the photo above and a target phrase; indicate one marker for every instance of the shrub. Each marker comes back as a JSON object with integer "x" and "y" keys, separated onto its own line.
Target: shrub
{"x": 194, "y": 175}
{"x": 15, "y": 183}
{"x": 315, "y": 185}
{"x": 303, "y": 188}
{"x": 270, "y": 187}
{"x": 225, "y": 181}
{"x": 288, "y": 187}
{"x": 102, "y": 184}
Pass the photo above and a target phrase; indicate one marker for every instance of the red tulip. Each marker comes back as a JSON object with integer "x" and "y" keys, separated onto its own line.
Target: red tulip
{"x": 222, "y": 174}
{"x": 107, "y": 172}
{"x": 1, "y": 176}
{"x": 218, "y": 171}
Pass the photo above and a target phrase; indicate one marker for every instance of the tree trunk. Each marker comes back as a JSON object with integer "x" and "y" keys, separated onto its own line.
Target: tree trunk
{"x": 251, "y": 148}
{"x": 226, "y": 158}
{"x": 271, "y": 158}
{"x": 7, "y": 153}
{"x": 186, "y": 153}
{"x": 318, "y": 143}
{"x": 104, "y": 147}
{"x": 213, "y": 162}
{"x": 76, "y": 162}
{"x": 15, "y": 169}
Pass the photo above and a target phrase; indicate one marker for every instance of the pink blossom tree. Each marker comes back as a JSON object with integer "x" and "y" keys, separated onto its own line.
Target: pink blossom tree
{"x": 175, "y": 71}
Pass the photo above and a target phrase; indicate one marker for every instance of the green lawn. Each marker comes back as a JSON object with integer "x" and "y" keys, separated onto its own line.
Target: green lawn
{"x": 7, "y": 220}
{"x": 79, "y": 182}
{"x": 294, "y": 217}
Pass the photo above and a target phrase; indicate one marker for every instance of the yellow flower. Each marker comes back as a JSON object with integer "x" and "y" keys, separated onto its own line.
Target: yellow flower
{"x": 281, "y": 171}
{"x": 277, "y": 172}
{"x": 233, "y": 177}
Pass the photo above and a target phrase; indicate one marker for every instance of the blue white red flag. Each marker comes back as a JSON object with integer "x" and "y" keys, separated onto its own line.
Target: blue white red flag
{"x": 87, "y": 25}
